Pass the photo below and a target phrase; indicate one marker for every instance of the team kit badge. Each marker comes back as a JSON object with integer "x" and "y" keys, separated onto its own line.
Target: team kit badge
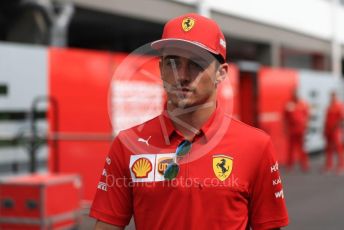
{"x": 141, "y": 167}
{"x": 151, "y": 167}
{"x": 222, "y": 166}
{"x": 188, "y": 24}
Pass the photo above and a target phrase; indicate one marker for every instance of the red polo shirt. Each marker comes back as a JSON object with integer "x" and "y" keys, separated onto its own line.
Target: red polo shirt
{"x": 334, "y": 115}
{"x": 297, "y": 117}
{"x": 229, "y": 179}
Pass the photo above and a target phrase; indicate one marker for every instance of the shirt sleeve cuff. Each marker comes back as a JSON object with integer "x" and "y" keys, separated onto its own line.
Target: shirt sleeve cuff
{"x": 119, "y": 221}
{"x": 271, "y": 224}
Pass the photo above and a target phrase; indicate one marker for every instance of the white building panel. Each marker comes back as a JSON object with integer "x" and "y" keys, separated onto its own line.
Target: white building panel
{"x": 23, "y": 69}
{"x": 315, "y": 88}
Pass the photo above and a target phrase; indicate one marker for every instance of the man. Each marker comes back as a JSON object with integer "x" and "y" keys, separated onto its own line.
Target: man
{"x": 296, "y": 124}
{"x": 333, "y": 134}
{"x": 201, "y": 169}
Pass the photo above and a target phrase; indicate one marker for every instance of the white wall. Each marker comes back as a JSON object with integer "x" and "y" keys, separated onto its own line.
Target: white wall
{"x": 23, "y": 69}
{"x": 315, "y": 88}
{"x": 311, "y": 17}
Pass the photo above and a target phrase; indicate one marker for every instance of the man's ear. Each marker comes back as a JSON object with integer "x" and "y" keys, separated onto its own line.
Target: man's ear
{"x": 221, "y": 73}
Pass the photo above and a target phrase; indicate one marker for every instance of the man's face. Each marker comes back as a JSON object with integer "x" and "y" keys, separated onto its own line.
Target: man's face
{"x": 189, "y": 79}
{"x": 333, "y": 97}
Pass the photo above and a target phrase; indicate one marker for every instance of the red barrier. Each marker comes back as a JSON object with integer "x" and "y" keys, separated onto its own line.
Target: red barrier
{"x": 36, "y": 201}
{"x": 79, "y": 82}
{"x": 275, "y": 87}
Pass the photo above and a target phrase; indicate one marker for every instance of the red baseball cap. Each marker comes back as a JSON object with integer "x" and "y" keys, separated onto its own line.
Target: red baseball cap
{"x": 193, "y": 29}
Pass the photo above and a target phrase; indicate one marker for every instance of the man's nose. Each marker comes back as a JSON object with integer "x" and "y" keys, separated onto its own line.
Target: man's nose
{"x": 182, "y": 73}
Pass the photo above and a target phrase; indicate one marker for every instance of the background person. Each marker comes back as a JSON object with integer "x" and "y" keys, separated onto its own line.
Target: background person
{"x": 296, "y": 117}
{"x": 333, "y": 134}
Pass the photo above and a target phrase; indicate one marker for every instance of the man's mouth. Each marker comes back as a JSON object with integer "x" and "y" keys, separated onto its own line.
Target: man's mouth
{"x": 182, "y": 90}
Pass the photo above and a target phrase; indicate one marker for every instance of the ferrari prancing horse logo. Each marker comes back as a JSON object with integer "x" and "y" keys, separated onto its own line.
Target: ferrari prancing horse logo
{"x": 188, "y": 24}
{"x": 222, "y": 166}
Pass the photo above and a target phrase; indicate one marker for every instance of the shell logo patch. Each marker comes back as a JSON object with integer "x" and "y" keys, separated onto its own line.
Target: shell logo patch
{"x": 149, "y": 167}
{"x": 141, "y": 167}
{"x": 162, "y": 164}
{"x": 188, "y": 23}
{"x": 222, "y": 166}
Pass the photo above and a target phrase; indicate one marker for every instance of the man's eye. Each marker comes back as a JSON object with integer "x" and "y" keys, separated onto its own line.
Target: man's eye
{"x": 170, "y": 62}
{"x": 173, "y": 63}
{"x": 195, "y": 65}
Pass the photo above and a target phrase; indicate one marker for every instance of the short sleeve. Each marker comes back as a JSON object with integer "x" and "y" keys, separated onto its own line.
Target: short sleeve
{"x": 112, "y": 203}
{"x": 267, "y": 208}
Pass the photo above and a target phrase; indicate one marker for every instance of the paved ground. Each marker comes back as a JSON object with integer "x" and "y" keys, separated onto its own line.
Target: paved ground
{"x": 315, "y": 201}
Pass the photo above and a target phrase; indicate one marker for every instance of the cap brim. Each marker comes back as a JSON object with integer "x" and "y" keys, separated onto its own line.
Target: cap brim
{"x": 174, "y": 42}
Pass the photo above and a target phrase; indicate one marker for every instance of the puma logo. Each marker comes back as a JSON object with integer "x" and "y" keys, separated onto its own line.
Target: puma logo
{"x": 143, "y": 140}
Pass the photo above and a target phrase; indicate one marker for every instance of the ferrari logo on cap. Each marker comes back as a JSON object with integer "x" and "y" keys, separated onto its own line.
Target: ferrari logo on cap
{"x": 222, "y": 166}
{"x": 188, "y": 24}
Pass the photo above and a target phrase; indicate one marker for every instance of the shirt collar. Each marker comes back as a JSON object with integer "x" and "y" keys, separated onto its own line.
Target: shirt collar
{"x": 208, "y": 130}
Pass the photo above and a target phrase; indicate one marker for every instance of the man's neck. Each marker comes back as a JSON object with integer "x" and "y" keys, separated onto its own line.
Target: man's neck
{"x": 190, "y": 120}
